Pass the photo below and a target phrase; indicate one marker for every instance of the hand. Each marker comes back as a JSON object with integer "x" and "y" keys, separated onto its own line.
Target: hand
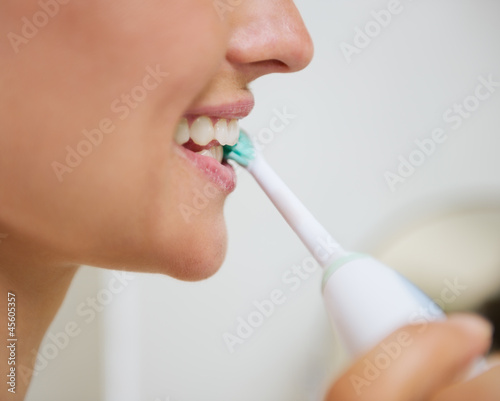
{"x": 423, "y": 363}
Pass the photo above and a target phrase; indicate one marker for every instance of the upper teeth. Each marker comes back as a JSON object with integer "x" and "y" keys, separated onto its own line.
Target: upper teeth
{"x": 203, "y": 131}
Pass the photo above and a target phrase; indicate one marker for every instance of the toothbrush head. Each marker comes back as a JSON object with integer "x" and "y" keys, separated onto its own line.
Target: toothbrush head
{"x": 243, "y": 152}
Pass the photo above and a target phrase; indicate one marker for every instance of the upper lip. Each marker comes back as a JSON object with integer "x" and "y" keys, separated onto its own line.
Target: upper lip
{"x": 228, "y": 111}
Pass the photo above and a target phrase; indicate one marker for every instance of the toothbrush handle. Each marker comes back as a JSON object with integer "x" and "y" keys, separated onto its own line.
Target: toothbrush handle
{"x": 314, "y": 236}
{"x": 367, "y": 301}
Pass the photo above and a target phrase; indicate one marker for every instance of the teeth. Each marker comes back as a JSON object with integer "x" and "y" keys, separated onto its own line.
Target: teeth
{"x": 234, "y": 132}
{"x": 221, "y": 132}
{"x": 203, "y": 131}
{"x": 182, "y": 134}
{"x": 215, "y": 152}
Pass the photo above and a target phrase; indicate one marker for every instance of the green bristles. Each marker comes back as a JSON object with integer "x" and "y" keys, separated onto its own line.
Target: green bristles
{"x": 243, "y": 152}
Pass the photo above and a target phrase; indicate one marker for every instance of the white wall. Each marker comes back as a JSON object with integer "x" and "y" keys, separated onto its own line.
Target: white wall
{"x": 352, "y": 123}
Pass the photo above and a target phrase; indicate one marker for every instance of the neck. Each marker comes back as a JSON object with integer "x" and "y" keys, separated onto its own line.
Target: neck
{"x": 32, "y": 287}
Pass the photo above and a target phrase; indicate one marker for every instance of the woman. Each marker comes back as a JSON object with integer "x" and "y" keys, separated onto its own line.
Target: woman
{"x": 99, "y": 166}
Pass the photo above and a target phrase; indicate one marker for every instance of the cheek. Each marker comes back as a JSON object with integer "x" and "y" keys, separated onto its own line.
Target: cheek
{"x": 187, "y": 227}
{"x": 122, "y": 201}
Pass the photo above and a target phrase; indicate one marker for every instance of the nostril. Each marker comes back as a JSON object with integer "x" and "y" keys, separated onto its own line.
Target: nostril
{"x": 269, "y": 66}
{"x": 278, "y": 64}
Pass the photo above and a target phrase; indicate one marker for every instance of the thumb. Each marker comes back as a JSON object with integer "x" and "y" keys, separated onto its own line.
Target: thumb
{"x": 415, "y": 362}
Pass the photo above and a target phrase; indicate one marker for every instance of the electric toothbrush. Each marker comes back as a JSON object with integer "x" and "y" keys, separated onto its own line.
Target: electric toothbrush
{"x": 365, "y": 299}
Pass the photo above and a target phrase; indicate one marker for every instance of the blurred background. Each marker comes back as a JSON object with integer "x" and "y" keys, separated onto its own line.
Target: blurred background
{"x": 355, "y": 148}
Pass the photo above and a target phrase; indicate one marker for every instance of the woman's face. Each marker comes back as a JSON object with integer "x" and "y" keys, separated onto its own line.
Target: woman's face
{"x": 92, "y": 94}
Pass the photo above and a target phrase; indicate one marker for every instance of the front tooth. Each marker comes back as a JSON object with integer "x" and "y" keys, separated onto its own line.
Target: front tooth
{"x": 234, "y": 132}
{"x": 221, "y": 132}
{"x": 202, "y": 131}
{"x": 182, "y": 134}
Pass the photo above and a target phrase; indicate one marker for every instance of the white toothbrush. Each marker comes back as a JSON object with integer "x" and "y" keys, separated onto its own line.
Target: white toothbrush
{"x": 365, "y": 299}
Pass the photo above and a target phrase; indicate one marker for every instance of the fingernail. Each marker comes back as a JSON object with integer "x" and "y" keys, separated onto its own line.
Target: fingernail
{"x": 473, "y": 324}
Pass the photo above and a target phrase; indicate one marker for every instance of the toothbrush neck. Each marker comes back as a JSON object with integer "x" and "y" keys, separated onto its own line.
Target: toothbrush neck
{"x": 327, "y": 256}
{"x": 311, "y": 232}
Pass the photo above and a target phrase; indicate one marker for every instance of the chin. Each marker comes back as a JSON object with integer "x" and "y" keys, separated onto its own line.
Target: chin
{"x": 192, "y": 254}
{"x": 201, "y": 265}
{"x": 198, "y": 262}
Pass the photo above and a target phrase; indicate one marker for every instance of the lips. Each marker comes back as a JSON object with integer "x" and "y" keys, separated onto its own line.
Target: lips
{"x": 203, "y": 132}
{"x": 236, "y": 110}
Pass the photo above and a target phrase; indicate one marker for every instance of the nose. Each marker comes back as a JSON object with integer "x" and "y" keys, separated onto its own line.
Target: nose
{"x": 268, "y": 36}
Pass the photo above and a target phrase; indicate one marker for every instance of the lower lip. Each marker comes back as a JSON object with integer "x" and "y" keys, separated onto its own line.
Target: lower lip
{"x": 221, "y": 174}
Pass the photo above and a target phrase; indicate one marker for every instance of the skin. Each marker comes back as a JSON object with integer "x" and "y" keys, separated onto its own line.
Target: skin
{"x": 432, "y": 367}
{"x": 119, "y": 206}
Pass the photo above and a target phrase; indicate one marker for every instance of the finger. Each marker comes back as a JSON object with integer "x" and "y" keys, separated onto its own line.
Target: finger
{"x": 494, "y": 360}
{"x": 484, "y": 388}
{"x": 415, "y": 362}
